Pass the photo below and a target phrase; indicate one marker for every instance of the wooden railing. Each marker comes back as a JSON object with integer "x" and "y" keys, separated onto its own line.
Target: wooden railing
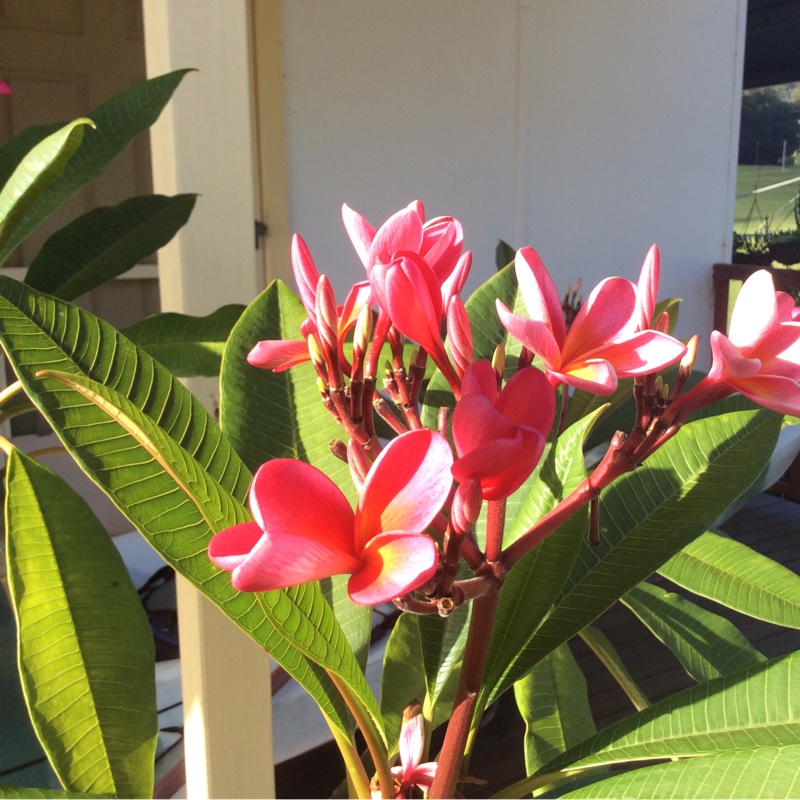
{"x": 786, "y": 280}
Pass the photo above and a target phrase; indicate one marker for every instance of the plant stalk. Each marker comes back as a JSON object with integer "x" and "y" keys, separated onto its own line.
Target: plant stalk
{"x": 452, "y": 754}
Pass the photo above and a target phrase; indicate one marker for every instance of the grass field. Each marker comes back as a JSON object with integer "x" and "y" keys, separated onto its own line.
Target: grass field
{"x": 776, "y": 204}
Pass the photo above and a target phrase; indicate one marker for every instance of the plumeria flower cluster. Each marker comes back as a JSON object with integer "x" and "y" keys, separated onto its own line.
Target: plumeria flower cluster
{"x": 422, "y": 493}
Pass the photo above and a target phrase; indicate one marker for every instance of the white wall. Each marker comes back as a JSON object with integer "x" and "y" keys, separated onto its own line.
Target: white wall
{"x": 586, "y": 129}
{"x": 630, "y": 131}
{"x": 387, "y": 102}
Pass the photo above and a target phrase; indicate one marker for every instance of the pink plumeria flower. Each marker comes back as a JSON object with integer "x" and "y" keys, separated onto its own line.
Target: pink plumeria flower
{"x": 760, "y": 357}
{"x": 415, "y": 268}
{"x": 438, "y": 242}
{"x": 305, "y": 529}
{"x": 603, "y": 344}
{"x": 281, "y": 354}
{"x": 411, "y": 773}
{"x": 500, "y": 435}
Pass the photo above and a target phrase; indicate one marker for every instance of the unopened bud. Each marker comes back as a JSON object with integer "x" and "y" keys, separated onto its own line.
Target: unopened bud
{"x": 499, "y": 362}
{"x": 687, "y": 362}
{"x": 665, "y": 392}
{"x": 659, "y": 382}
{"x": 359, "y": 463}
{"x": 327, "y": 315}
{"x": 459, "y": 335}
{"x": 363, "y": 331}
{"x": 662, "y": 322}
{"x": 466, "y": 506}
{"x": 315, "y": 352}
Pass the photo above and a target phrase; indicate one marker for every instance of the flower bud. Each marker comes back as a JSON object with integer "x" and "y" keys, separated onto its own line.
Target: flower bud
{"x": 459, "y": 335}
{"x": 327, "y": 315}
{"x": 662, "y": 323}
{"x": 499, "y": 362}
{"x": 363, "y": 332}
{"x": 359, "y": 463}
{"x": 466, "y": 505}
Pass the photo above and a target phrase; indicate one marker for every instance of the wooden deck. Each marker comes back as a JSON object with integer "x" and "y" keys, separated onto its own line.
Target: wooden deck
{"x": 768, "y": 524}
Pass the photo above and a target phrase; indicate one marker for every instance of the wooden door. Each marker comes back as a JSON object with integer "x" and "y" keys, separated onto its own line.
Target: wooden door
{"x": 62, "y": 58}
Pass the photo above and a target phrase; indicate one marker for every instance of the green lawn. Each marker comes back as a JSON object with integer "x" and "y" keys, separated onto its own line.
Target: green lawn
{"x": 776, "y": 204}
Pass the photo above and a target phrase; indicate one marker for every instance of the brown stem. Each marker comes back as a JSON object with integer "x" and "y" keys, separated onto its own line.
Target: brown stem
{"x": 495, "y": 526}
{"x": 455, "y": 740}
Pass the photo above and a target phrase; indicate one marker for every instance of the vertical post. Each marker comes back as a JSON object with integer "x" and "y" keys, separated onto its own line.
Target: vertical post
{"x": 203, "y": 143}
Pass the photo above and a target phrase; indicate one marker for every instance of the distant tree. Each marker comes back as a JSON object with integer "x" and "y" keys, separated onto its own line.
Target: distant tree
{"x": 770, "y": 116}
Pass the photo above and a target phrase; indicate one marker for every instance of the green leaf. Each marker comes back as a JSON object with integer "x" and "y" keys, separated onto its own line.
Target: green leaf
{"x": 553, "y": 701}
{"x": 534, "y": 583}
{"x": 118, "y": 121}
{"x": 600, "y": 645}
{"x": 706, "y": 644}
{"x": 733, "y": 574}
{"x": 404, "y": 678}
{"x": 40, "y": 332}
{"x": 187, "y": 346}
{"x": 766, "y": 772}
{"x": 15, "y": 793}
{"x": 40, "y": 167}
{"x": 86, "y": 651}
{"x": 106, "y": 242}
{"x": 758, "y": 707}
{"x": 270, "y": 415}
{"x": 14, "y": 150}
{"x": 442, "y": 642}
{"x": 300, "y": 613}
{"x": 647, "y": 515}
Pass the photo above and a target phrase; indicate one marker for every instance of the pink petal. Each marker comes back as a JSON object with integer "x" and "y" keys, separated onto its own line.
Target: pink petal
{"x": 413, "y": 302}
{"x": 423, "y": 775}
{"x": 442, "y": 240}
{"x": 4, "y": 88}
{"x": 280, "y": 501}
{"x": 595, "y": 376}
{"x": 728, "y": 362}
{"x": 305, "y": 273}
{"x": 402, "y": 231}
{"x": 406, "y": 487}
{"x": 411, "y": 744}
{"x": 533, "y": 333}
{"x": 277, "y": 560}
{"x": 540, "y": 293}
{"x": 756, "y": 310}
{"x": 278, "y": 354}
{"x": 648, "y": 285}
{"x": 641, "y": 354}
{"x": 501, "y": 466}
{"x": 230, "y": 548}
{"x": 480, "y": 379}
{"x": 459, "y": 335}
{"x": 393, "y": 564}
{"x": 528, "y": 399}
{"x": 786, "y": 307}
{"x": 610, "y": 313}
{"x": 361, "y": 233}
{"x": 359, "y": 296}
{"x": 771, "y": 391}
{"x": 454, "y": 283}
{"x": 779, "y": 351}
{"x": 477, "y": 422}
